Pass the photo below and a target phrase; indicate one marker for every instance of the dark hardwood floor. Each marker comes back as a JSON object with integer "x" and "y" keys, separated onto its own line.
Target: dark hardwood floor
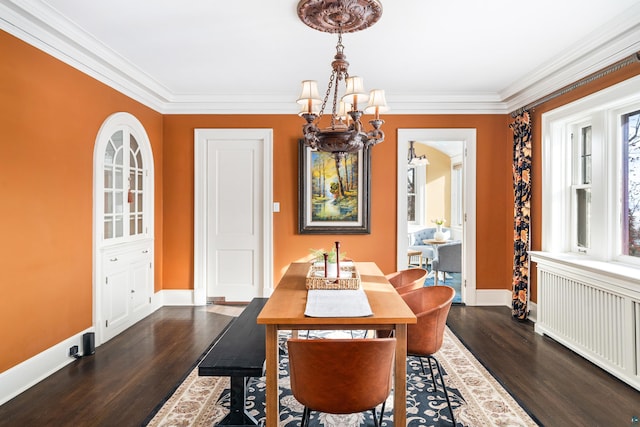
{"x": 129, "y": 375}
{"x": 556, "y": 385}
{"x": 126, "y": 377}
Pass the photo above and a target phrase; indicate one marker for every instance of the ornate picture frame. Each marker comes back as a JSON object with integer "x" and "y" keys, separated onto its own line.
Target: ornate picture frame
{"x": 333, "y": 196}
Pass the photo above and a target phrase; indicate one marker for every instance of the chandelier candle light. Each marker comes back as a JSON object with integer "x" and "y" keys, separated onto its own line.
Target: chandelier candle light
{"x": 345, "y": 133}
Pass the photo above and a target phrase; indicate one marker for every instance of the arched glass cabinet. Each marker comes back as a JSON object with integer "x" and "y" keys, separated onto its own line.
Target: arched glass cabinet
{"x": 123, "y": 226}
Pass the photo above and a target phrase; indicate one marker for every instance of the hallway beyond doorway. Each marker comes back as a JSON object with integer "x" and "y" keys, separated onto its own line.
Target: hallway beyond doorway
{"x": 468, "y": 188}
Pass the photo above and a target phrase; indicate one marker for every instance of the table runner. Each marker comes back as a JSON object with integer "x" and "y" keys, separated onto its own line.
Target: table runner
{"x": 337, "y": 303}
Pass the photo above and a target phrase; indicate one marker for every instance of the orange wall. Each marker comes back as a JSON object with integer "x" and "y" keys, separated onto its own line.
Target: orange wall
{"x": 494, "y": 210}
{"x": 50, "y": 115}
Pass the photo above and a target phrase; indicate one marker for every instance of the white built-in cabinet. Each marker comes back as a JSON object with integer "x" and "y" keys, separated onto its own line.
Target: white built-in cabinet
{"x": 123, "y": 226}
{"x": 127, "y": 287}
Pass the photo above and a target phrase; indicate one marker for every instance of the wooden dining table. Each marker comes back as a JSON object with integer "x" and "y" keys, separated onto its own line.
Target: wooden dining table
{"x": 285, "y": 311}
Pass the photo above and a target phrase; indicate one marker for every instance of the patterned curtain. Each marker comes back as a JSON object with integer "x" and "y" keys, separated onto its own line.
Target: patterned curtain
{"x": 521, "y": 127}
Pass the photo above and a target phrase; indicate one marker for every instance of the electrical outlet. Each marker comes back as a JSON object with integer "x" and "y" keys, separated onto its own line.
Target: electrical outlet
{"x": 73, "y": 351}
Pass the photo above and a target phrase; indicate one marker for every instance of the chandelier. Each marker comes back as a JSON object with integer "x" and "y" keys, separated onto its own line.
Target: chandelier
{"x": 345, "y": 133}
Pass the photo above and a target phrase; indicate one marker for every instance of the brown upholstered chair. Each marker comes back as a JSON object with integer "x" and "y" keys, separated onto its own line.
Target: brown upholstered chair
{"x": 407, "y": 280}
{"x": 341, "y": 376}
{"x": 404, "y": 281}
{"x": 431, "y": 306}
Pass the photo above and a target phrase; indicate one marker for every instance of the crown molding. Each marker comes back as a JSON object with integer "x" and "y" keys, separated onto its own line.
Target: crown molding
{"x": 46, "y": 29}
{"x": 606, "y": 46}
{"x": 453, "y": 103}
{"x": 446, "y": 103}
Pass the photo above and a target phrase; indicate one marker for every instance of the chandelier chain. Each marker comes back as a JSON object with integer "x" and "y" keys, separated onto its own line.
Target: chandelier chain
{"x": 340, "y": 46}
{"x": 345, "y": 134}
{"x": 326, "y": 95}
{"x": 333, "y": 111}
{"x": 335, "y": 72}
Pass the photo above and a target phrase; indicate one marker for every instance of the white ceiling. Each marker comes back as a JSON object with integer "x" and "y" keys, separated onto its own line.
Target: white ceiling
{"x": 214, "y": 56}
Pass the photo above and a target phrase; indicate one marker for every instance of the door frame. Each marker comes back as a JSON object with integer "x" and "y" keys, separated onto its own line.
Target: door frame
{"x": 113, "y": 123}
{"x": 468, "y": 137}
{"x": 201, "y": 138}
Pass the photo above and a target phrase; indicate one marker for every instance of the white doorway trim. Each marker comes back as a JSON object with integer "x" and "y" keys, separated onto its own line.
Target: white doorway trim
{"x": 201, "y": 213}
{"x": 468, "y": 137}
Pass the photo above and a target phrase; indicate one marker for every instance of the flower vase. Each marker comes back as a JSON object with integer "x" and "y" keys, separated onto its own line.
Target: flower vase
{"x": 332, "y": 269}
{"x": 438, "y": 235}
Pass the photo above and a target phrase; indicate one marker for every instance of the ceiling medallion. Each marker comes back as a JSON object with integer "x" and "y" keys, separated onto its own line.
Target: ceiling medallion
{"x": 334, "y": 16}
{"x": 345, "y": 133}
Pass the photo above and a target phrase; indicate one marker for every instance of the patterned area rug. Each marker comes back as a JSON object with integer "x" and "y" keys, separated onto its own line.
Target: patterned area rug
{"x": 477, "y": 398}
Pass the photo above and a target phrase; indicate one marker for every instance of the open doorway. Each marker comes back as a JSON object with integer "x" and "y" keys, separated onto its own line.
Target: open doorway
{"x": 446, "y": 191}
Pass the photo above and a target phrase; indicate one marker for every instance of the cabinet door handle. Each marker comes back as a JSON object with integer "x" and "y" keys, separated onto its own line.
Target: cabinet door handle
{"x": 113, "y": 259}
{"x": 145, "y": 251}
{"x": 132, "y": 291}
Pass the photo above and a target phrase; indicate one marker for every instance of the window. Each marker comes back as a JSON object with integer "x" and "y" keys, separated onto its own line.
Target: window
{"x": 631, "y": 184}
{"x": 591, "y": 176}
{"x": 416, "y": 186}
{"x": 457, "y": 195}
{"x": 581, "y": 188}
{"x": 411, "y": 194}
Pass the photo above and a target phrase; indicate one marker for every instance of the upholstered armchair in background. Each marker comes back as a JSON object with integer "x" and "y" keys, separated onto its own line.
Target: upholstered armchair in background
{"x": 417, "y": 238}
{"x": 448, "y": 259}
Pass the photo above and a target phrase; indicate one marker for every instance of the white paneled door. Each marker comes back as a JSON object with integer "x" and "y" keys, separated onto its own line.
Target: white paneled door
{"x": 233, "y": 213}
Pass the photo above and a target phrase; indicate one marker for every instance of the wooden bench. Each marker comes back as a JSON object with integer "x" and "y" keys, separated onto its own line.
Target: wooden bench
{"x": 239, "y": 353}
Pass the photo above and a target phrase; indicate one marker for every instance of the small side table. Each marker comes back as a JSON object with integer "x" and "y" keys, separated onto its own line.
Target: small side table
{"x": 435, "y": 242}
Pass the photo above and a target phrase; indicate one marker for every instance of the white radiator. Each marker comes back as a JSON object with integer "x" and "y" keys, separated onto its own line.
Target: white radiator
{"x": 595, "y": 313}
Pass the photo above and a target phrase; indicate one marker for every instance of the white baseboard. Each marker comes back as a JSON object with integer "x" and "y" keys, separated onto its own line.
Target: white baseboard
{"x": 187, "y": 297}
{"x": 176, "y": 297}
{"x": 500, "y": 297}
{"x": 486, "y": 297}
{"x": 28, "y": 373}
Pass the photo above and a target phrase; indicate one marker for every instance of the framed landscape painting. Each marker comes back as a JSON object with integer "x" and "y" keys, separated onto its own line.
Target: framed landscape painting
{"x": 333, "y": 194}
